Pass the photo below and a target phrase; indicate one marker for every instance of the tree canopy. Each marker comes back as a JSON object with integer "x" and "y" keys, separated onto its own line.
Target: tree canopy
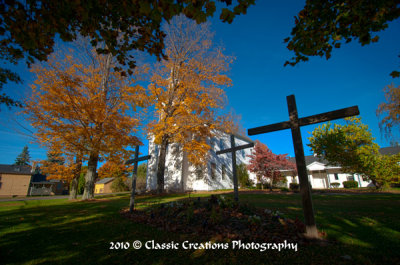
{"x": 323, "y": 25}
{"x": 187, "y": 91}
{"x": 80, "y": 104}
{"x": 351, "y": 146}
{"x": 29, "y": 29}
{"x": 264, "y": 163}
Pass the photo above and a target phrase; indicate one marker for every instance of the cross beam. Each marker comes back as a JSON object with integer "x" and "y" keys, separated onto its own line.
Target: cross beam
{"x": 233, "y": 150}
{"x": 294, "y": 124}
{"x": 135, "y": 161}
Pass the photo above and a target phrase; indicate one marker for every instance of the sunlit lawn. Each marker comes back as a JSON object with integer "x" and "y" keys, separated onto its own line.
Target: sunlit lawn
{"x": 361, "y": 229}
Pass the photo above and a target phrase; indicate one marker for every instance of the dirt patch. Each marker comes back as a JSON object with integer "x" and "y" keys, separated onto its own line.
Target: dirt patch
{"x": 220, "y": 219}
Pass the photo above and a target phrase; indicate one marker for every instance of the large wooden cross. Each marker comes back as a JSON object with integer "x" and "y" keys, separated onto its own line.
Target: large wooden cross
{"x": 233, "y": 150}
{"x": 135, "y": 162}
{"x": 294, "y": 124}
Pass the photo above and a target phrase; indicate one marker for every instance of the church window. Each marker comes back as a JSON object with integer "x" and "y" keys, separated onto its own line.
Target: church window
{"x": 223, "y": 170}
{"x": 213, "y": 170}
{"x": 199, "y": 172}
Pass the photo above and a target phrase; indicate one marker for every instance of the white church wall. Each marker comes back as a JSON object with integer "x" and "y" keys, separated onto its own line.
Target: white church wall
{"x": 180, "y": 175}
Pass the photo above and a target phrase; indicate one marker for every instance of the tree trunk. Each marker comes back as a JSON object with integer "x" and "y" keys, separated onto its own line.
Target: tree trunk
{"x": 161, "y": 165}
{"x": 77, "y": 173}
{"x": 90, "y": 177}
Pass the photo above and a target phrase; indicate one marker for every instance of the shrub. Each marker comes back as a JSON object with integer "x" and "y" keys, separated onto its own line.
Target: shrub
{"x": 258, "y": 186}
{"x": 243, "y": 176}
{"x": 335, "y": 184}
{"x": 294, "y": 186}
{"x": 284, "y": 189}
{"x": 350, "y": 184}
{"x": 119, "y": 185}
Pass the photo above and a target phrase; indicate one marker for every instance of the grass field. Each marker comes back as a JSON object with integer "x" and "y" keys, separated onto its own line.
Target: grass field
{"x": 360, "y": 228}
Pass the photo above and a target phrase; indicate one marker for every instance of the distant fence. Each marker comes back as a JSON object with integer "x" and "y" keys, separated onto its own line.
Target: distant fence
{"x": 41, "y": 191}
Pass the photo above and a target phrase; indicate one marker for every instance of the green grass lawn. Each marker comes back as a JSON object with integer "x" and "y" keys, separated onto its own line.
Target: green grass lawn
{"x": 364, "y": 228}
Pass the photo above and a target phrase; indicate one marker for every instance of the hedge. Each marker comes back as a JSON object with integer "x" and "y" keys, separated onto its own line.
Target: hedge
{"x": 350, "y": 184}
{"x": 294, "y": 186}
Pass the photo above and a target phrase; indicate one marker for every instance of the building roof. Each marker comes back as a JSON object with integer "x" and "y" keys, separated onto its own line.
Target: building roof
{"x": 104, "y": 180}
{"x": 310, "y": 160}
{"x": 243, "y": 137}
{"x": 14, "y": 169}
{"x": 391, "y": 150}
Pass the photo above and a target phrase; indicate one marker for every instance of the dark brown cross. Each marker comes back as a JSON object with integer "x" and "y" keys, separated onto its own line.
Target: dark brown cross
{"x": 233, "y": 150}
{"x": 294, "y": 124}
{"x": 134, "y": 175}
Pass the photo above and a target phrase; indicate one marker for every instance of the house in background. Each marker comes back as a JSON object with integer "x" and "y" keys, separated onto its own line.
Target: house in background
{"x": 180, "y": 175}
{"x": 41, "y": 186}
{"x": 321, "y": 175}
{"x": 15, "y": 180}
{"x": 20, "y": 181}
{"x": 103, "y": 186}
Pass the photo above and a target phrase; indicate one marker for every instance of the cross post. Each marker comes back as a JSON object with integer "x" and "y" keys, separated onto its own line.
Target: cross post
{"x": 233, "y": 150}
{"x": 294, "y": 124}
{"x": 134, "y": 175}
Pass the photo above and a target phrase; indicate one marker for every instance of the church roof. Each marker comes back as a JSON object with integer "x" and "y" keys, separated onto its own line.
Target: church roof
{"x": 243, "y": 137}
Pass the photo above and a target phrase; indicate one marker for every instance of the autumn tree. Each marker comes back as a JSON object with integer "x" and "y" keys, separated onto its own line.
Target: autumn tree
{"x": 188, "y": 90}
{"x": 323, "y": 25}
{"x": 264, "y": 163}
{"x": 79, "y": 102}
{"x": 389, "y": 111}
{"x": 62, "y": 167}
{"x": 28, "y": 29}
{"x": 114, "y": 169}
{"x": 23, "y": 158}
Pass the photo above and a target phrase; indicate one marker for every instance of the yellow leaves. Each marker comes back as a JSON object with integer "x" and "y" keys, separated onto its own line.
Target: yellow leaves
{"x": 84, "y": 106}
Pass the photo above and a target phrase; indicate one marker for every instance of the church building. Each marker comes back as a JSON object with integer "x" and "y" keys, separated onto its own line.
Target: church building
{"x": 180, "y": 175}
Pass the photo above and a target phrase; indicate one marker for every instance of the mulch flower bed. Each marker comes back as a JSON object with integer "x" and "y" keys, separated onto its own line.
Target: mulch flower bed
{"x": 221, "y": 219}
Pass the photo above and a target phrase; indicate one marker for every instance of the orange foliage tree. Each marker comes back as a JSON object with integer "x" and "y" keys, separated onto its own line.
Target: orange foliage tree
{"x": 63, "y": 167}
{"x": 188, "y": 90}
{"x": 80, "y": 103}
{"x": 114, "y": 169}
{"x": 389, "y": 112}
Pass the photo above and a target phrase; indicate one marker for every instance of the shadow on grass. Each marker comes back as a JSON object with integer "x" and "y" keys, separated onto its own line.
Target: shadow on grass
{"x": 81, "y": 232}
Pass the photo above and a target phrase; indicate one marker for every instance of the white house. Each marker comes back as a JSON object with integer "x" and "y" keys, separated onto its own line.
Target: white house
{"x": 321, "y": 175}
{"x": 180, "y": 175}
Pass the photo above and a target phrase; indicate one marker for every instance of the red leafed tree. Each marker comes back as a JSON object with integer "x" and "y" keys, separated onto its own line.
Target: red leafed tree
{"x": 266, "y": 164}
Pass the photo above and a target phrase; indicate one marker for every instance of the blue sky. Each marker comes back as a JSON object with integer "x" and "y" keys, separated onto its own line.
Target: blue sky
{"x": 354, "y": 75}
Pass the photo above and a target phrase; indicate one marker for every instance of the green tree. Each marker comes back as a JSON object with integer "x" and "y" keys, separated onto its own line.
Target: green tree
{"x": 323, "y": 25}
{"x": 243, "y": 176}
{"x": 118, "y": 185}
{"x": 142, "y": 171}
{"x": 350, "y": 146}
{"x": 81, "y": 180}
{"x": 387, "y": 170}
{"x": 28, "y": 29}
{"x": 23, "y": 158}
